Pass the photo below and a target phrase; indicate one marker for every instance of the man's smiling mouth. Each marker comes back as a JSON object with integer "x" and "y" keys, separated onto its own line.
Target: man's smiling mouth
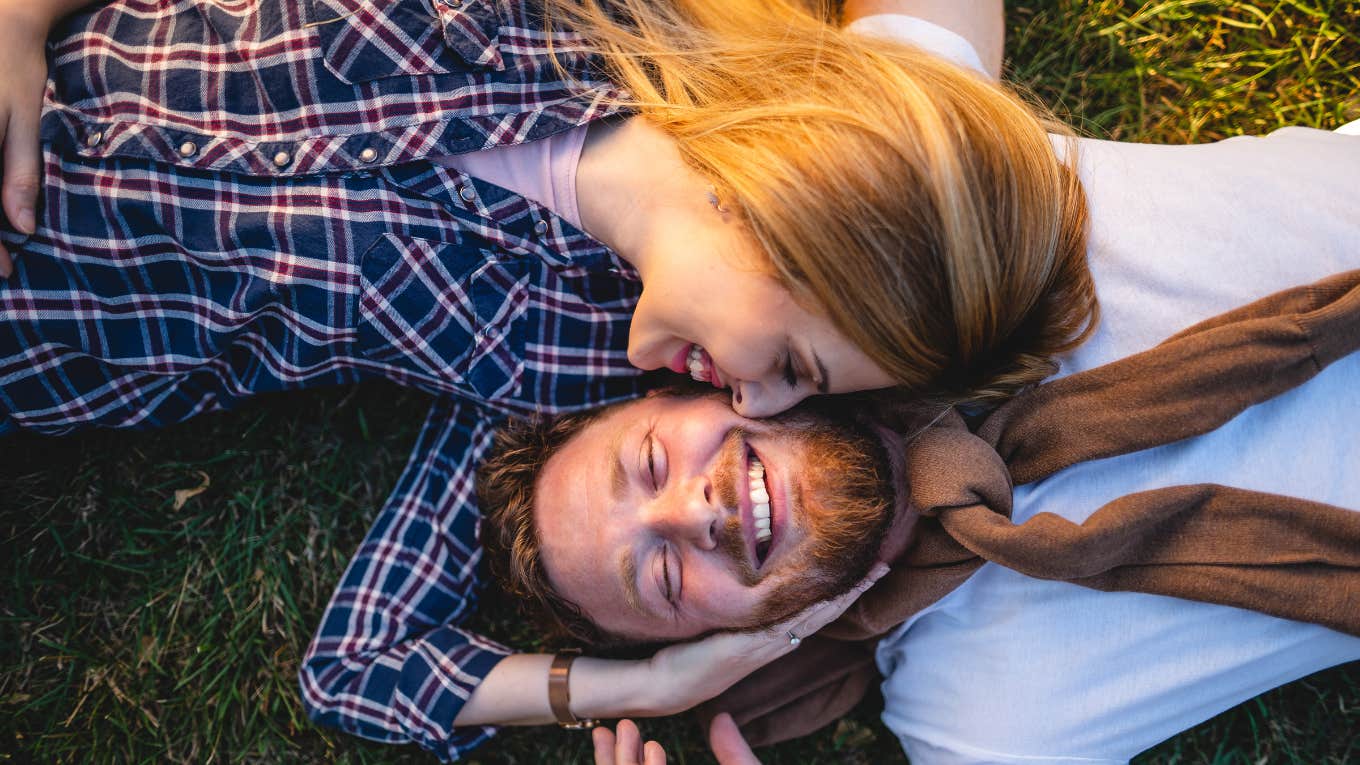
{"x": 757, "y": 515}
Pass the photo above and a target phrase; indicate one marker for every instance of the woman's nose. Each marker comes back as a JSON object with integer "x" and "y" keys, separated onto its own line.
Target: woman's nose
{"x": 755, "y": 400}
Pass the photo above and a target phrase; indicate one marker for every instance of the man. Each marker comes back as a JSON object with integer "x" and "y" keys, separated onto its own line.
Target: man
{"x": 647, "y": 525}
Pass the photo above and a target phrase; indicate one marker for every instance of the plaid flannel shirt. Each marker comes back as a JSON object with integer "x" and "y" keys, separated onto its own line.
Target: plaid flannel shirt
{"x": 238, "y": 198}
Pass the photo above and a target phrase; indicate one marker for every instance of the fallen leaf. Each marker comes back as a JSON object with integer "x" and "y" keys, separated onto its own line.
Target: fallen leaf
{"x": 184, "y": 495}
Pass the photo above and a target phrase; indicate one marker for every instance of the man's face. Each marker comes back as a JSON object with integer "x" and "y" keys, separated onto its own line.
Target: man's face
{"x": 648, "y": 519}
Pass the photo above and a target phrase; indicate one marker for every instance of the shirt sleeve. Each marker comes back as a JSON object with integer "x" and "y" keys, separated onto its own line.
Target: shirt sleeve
{"x": 388, "y": 662}
{"x": 923, "y": 34}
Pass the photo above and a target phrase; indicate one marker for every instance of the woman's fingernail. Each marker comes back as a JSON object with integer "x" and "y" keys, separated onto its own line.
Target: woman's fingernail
{"x": 25, "y": 222}
{"x": 880, "y": 568}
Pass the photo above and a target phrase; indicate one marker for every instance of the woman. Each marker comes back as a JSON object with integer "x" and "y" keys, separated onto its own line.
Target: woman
{"x": 952, "y": 186}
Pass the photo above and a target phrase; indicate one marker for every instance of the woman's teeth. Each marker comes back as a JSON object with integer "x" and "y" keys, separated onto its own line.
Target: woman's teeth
{"x": 760, "y": 499}
{"x": 696, "y": 364}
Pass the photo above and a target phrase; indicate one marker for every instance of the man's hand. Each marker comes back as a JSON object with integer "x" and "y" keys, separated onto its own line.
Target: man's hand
{"x": 727, "y": 743}
{"x": 625, "y": 747}
{"x": 681, "y": 676}
{"x": 24, "y": 25}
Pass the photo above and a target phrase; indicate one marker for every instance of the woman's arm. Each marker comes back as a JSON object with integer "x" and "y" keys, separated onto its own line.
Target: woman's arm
{"x": 676, "y": 678}
{"x": 24, "y": 25}
{"x": 980, "y": 22}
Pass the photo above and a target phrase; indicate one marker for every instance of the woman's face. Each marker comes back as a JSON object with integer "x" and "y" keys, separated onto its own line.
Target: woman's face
{"x": 708, "y": 309}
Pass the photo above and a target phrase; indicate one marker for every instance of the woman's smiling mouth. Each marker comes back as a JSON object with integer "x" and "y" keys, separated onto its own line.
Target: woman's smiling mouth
{"x": 701, "y": 368}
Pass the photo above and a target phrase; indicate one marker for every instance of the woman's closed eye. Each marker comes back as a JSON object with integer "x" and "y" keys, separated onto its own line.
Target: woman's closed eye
{"x": 795, "y": 368}
{"x": 790, "y": 374}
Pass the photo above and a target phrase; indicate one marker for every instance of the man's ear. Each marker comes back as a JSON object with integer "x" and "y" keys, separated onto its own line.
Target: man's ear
{"x": 900, "y": 534}
{"x": 904, "y": 516}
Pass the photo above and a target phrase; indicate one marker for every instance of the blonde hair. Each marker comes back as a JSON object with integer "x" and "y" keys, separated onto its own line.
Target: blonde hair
{"x": 919, "y": 206}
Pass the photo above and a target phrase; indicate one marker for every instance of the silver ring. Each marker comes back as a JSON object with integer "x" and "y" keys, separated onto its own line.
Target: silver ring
{"x": 794, "y": 639}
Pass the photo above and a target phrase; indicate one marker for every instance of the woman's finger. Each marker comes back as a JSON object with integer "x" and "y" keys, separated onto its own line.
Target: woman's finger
{"x": 603, "y": 739}
{"x": 727, "y": 743}
{"x": 821, "y": 614}
{"x": 653, "y": 754}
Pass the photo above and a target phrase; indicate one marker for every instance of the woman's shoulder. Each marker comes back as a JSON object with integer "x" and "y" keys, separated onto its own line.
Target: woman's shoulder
{"x": 921, "y": 33}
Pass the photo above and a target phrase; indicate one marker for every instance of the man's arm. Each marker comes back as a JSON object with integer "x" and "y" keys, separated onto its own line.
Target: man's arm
{"x": 388, "y": 662}
{"x": 980, "y": 22}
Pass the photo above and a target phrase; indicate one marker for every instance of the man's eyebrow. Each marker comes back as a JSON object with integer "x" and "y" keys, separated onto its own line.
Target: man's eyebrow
{"x": 825, "y": 385}
{"x": 618, "y": 478}
{"x": 631, "y": 595}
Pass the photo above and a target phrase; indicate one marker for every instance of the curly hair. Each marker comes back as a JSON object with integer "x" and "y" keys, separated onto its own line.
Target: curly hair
{"x": 505, "y": 486}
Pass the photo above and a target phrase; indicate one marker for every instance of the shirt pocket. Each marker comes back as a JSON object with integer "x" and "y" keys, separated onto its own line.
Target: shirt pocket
{"x": 363, "y": 41}
{"x": 448, "y": 311}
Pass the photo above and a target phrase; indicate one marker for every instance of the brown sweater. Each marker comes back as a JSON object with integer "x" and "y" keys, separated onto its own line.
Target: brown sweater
{"x": 1283, "y": 556}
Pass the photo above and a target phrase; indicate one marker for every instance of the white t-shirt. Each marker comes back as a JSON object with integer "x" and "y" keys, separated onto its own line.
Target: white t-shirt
{"x": 1009, "y": 669}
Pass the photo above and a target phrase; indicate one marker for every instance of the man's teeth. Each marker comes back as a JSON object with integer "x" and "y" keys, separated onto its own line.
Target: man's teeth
{"x": 760, "y": 499}
{"x": 696, "y": 364}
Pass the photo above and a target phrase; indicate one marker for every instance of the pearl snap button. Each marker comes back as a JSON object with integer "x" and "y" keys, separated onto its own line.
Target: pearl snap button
{"x": 369, "y": 154}
{"x": 467, "y": 193}
{"x": 188, "y": 149}
{"x": 541, "y": 227}
{"x": 282, "y": 159}
{"x": 94, "y": 138}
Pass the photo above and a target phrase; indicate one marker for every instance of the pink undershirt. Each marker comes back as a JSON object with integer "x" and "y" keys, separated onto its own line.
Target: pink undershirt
{"x": 543, "y": 170}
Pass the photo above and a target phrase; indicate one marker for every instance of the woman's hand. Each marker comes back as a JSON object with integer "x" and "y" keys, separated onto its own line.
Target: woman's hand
{"x": 676, "y": 678}
{"x": 625, "y": 746}
{"x": 680, "y": 676}
{"x": 24, "y": 25}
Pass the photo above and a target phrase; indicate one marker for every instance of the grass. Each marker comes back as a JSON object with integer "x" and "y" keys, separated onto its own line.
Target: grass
{"x": 135, "y": 631}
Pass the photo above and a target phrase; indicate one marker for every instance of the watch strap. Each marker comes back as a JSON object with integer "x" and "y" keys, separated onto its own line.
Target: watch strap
{"x": 559, "y": 693}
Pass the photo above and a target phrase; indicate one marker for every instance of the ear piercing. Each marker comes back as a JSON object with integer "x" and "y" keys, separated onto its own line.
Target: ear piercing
{"x": 713, "y": 200}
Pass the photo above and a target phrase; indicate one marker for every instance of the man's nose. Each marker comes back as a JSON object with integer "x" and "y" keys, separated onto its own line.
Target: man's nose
{"x": 688, "y": 510}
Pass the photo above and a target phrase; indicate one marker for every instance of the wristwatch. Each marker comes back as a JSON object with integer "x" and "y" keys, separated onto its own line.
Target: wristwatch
{"x": 559, "y": 694}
